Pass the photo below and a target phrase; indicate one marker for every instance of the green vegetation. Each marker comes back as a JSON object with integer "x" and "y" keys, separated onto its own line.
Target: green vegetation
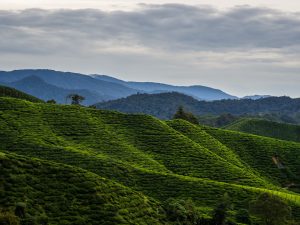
{"x": 218, "y": 120}
{"x": 14, "y": 93}
{"x": 261, "y": 127}
{"x": 164, "y": 105}
{"x": 36, "y": 190}
{"x": 74, "y": 164}
{"x": 270, "y": 209}
{"x": 181, "y": 114}
{"x": 51, "y": 101}
{"x": 76, "y": 99}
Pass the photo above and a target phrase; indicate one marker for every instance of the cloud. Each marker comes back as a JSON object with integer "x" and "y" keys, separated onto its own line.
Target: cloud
{"x": 170, "y": 43}
{"x": 170, "y": 27}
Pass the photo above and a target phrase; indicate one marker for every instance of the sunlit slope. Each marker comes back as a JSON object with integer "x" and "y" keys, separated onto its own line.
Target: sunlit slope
{"x": 138, "y": 140}
{"x": 68, "y": 195}
{"x": 138, "y": 151}
{"x": 267, "y": 128}
{"x": 276, "y": 159}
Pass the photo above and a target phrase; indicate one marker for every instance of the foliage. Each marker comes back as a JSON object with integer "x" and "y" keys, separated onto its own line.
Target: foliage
{"x": 243, "y": 216}
{"x": 164, "y": 105}
{"x": 181, "y": 114}
{"x": 51, "y": 101}
{"x": 271, "y": 209}
{"x": 220, "y": 213}
{"x": 8, "y": 218}
{"x": 76, "y": 99}
{"x": 182, "y": 211}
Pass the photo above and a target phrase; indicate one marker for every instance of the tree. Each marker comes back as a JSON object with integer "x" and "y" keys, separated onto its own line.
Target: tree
{"x": 20, "y": 209}
{"x": 225, "y": 119}
{"x": 220, "y": 213}
{"x": 51, "y": 101}
{"x": 243, "y": 216}
{"x": 76, "y": 99}
{"x": 270, "y": 209}
{"x": 181, "y": 114}
{"x": 182, "y": 211}
{"x": 8, "y": 218}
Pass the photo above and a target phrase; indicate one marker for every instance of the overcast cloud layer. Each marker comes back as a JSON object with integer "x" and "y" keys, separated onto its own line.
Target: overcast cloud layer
{"x": 242, "y": 50}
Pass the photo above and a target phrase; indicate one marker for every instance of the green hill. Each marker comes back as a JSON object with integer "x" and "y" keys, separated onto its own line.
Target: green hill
{"x": 61, "y": 194}
{"x": 140, "y": 155}
{"x": 164, "y": 106}
{"x": 261, "y": 127}
{"x": 14, "y": 93}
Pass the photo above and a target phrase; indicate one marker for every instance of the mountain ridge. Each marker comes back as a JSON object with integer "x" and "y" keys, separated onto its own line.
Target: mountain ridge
{"x": 164, "y": 105}
{"x": 110, "y": 87}
{"x": 196, "y": 91}
{"x": 36, "y": 86}
{"x": 69, "y": 80}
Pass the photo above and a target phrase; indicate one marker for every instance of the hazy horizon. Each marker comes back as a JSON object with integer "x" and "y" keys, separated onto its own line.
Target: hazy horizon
{"x": 240, "y": 48}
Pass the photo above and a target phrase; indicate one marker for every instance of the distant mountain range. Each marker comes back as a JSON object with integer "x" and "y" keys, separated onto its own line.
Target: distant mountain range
{"x": 196, "y": 91}
{"x": 164, "y": 105}
{"x": 35, "y": 86}
{"x": 56, "y": 85}
{"x": 14, "y": 93}
{"x": 50, "y": 84}
{"x": 255, "y": 97}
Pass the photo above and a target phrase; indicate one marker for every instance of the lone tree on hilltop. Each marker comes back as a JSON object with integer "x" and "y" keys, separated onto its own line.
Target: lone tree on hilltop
{"x": 181, "y": 114}
{"x": 76, "y": 99}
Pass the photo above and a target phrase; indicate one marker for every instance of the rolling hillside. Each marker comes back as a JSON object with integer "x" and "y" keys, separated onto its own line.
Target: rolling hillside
{"x": 164, "y": 105}
{"x": 14, "y": 93}
{"x": 261, "y": 127}
{"x": 139, "y": 155}
{"x": 60, "y": 194}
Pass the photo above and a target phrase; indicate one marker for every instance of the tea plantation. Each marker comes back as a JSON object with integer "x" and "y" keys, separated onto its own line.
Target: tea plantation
{"x": 267, "y": 128}
{"x": 78, "y": 165}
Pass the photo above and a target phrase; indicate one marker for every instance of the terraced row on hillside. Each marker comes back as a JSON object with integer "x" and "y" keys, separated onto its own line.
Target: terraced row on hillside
{"x": 61, "y": 194}
{"x": 267, "y": 128}
{"x": 156, "y": 158}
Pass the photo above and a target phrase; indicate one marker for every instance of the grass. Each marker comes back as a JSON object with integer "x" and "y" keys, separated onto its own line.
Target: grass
{"x": 149, "y": 158}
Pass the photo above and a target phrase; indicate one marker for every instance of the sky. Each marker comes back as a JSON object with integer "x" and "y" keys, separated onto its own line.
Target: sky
{"x": 241, "y": 47}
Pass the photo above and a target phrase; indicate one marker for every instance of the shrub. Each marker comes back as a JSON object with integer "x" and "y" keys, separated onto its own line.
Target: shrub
{"x": 8, "y": 218}
{"x": 270, "y": 209}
